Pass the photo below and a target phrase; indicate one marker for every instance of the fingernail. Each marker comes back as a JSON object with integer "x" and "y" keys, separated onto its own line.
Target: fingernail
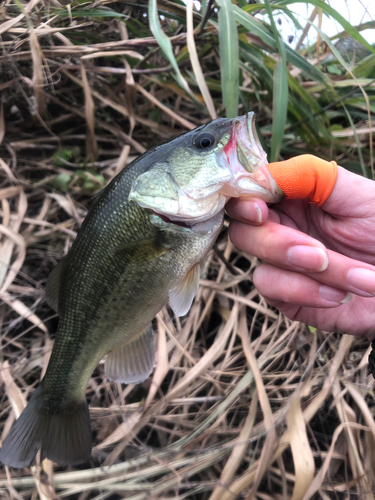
{"x": 249, "y": 210}
{"x": 308, "y": 258}
{"x": 363, "y": 279}
{"x": 334, "y": 295}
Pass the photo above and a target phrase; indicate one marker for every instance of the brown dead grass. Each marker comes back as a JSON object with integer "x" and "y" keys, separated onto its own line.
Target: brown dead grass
{"x": 243, "y": 403}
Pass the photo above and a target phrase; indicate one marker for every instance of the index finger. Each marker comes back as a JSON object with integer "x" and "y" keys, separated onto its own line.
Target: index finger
{"x": 289, "y": 249}
{"x": 280, "y": 245}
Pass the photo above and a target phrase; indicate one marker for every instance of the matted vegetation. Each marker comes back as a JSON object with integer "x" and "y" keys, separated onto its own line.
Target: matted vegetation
{"x": 243, "y": 403}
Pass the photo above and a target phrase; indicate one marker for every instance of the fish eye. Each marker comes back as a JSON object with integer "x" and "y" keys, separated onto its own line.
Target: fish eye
{"x": 205, "y": 140}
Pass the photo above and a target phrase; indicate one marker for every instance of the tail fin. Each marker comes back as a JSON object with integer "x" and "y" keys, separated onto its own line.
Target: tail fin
{"x": 64, "y": 437}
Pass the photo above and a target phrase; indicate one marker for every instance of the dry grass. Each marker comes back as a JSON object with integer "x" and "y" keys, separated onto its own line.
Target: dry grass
{"x": 243, "y": 403}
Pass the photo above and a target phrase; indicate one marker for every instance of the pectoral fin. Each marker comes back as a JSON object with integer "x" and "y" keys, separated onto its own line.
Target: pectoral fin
{"x": 181, "y": 297}
{"x": 142, "y": 250}
{"x": 132, "y": 362}
{"x": 53, "y": 286}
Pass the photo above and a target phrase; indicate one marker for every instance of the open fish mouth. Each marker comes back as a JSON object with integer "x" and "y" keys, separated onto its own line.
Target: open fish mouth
{"x": 247, "y": 162}
{"x": 193, "y": 184}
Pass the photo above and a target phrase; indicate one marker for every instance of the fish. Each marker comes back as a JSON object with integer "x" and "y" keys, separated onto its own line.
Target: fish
{"x": 140, "y": 246}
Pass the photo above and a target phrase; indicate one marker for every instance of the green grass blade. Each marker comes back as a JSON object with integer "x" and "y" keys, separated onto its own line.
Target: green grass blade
{"x": 279, "y": 42}
{"x": 256, "y": 7}
{"x": 365, "y": 67}
{"x": 228, "y": 40}
{"x": 204, "y": 4}
{"x": 303, "y": 64}
{"x": 280, "y": 91}
{"x": 93, "y": 13}
{"x": 334, "y": 51}
{"x": 280, "y": 107}
{"x": 165, "y": 43}
{"x": 255, "y": 26}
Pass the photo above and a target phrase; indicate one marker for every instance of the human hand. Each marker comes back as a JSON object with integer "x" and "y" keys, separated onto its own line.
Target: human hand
{"x": 319, "y": 263}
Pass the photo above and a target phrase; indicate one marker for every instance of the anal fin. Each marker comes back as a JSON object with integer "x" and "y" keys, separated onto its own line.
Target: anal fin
{"x": 132, "y": 362}
{"x": 182, "y": 296}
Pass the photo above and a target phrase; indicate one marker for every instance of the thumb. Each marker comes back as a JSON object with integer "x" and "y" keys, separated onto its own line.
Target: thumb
{"x": 305, "y": 176}
{"x": 352, "y": 196}
{"x": 338, "y": 191}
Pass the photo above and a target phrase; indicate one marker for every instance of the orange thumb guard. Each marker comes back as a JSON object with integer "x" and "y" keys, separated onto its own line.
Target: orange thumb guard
{"x": 305, "y": 176}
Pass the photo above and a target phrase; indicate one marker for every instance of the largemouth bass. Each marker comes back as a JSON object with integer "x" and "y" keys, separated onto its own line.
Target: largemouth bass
{"x": 139, "y": 248}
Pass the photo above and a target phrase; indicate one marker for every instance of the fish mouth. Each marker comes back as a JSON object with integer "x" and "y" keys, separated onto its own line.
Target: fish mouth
{"x": 247, "y": 163}
{"x": 244, "y": 146}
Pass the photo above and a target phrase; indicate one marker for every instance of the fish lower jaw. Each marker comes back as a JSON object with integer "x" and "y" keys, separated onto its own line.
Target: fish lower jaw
{"x": 201, "y": 226}
{"x": 209, "y": 225}
{"x": 167, "y": 220}
{"x": 258, "y": 184}
{"x": 253, "y": 186}
{"x": 254, "y": 181}
{"x": 192, "y": 211}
